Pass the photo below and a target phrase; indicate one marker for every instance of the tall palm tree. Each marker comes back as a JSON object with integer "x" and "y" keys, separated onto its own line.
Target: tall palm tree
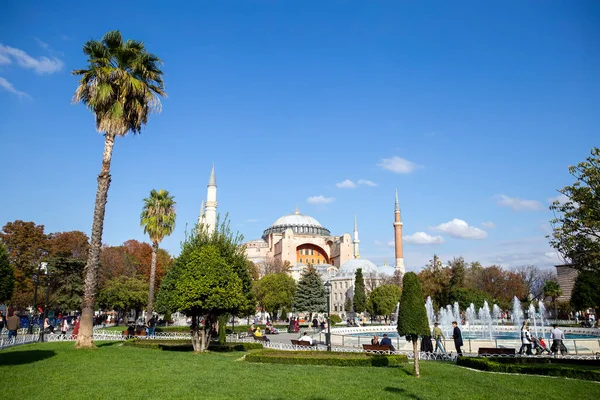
{"x": 158, "y": 220}
{"x": 121, "y": 86}
{"x": 552, "y": 289}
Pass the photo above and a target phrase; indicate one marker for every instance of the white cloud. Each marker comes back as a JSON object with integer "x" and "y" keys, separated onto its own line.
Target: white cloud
{"x": 520, "y": 204}
{"x": 347, "y": 184}
{"x": 6, "y": 85}
{"x": 488, "y": 225}
{"x": 423, "y": 238}
{"x": 561, "y": 198}
{"x": 320, "y": 200}
{"x": 458, "y": 228}
{"x": 397, "y": 165}
{"x": 41, "y": 65}
{"x": 366, "y": 182}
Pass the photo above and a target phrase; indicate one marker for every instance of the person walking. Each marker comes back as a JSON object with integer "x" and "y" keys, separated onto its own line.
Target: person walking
{"x": 76, "y": 327}
{"x": 557, "y": 337}
{"x": 151, "y": 326}
{"x": 13, "y": 324}
{"x": 457, "y": 336}
{"x": 526, "y": 340}
{"x": 438, "y": 335}
{"x": 64, "y": 327}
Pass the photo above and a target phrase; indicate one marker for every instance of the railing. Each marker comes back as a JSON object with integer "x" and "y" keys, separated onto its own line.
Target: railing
{"x": 18, "y": 340}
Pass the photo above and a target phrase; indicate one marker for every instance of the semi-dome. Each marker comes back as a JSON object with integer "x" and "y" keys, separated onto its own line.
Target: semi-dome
{"x": 299, "y": 224}
{"x": 349, "y": 268}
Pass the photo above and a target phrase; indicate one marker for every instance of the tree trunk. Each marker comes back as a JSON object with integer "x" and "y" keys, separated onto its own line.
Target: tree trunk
{"x": 416, "y": 355}
{"x": 152, "y": 278}
{"x": 555, "y": 311}
{"x": 195, "y": 328}
{"x": 86, "y": 327}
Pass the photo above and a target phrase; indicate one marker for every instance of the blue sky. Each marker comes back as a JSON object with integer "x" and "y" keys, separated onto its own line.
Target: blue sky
{"x": 473, "y": 110}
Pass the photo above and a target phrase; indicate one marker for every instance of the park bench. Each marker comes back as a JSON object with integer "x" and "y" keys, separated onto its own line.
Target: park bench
{"x": 303, "y": 343}
{"x": 495, "y": 351}
{"x": 376, "y": 347}
{"x": 261, "y": 338}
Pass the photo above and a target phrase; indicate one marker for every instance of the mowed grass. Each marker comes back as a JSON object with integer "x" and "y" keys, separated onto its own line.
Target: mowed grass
{"x": 114, "y": 371}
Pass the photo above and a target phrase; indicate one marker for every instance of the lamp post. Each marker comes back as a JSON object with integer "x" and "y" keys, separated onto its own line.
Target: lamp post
{"x": 47, "y": 271}
{"x": 36, "y": 280}
{"x": 328, "y": 334}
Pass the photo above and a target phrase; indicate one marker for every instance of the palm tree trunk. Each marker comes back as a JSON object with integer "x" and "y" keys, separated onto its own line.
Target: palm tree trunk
{"x": 84, "y": 338}
{"x": 152, "y": 278}
{"x": 416, "y": 356}
{"x": 555, "y": 312}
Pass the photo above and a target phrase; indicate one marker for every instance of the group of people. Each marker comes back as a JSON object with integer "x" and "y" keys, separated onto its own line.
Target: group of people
{"x": 13, "y": 324}
{"x": 385, "y": 341}
{"x": 529, "y": 343}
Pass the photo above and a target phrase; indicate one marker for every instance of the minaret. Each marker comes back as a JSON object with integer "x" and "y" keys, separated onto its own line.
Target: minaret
{"x": 355, "y": 242}
{"x": 398, "y": 237}
{"x": 211, "y": 202}
{"x": 202, "y": 216}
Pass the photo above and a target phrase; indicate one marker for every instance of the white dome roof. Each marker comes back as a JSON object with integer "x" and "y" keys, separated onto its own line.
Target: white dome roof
{"x": 349, "y": 268}
{"x": 300, "y": 224}
{"x": 297, "y": 219}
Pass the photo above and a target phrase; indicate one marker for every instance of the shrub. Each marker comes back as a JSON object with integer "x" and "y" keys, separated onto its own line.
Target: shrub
{"x": 235, "y": 347}
{"x": 325, "y": 358}
{"x": 335, "y": 319}
{"x": 186, "y": 345}
{"x": 567, "y": 368}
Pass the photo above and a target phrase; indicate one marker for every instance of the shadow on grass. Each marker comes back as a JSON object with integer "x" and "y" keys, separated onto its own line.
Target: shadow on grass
{"x": 402, "y": 392}
{"x": 107, "y": 344}
{"x": 24, "y": 357}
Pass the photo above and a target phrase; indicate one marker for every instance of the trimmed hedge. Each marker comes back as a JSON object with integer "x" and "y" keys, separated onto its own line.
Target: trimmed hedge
{"x": 325, "y": 358}
{"x": 186, "y": 345}
{"x": 566, "y": 368}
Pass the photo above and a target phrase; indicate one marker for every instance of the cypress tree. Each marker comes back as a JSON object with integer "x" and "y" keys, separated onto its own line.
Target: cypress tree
{"x": 412, "y": 316}
{"x": 360, "y": 298}
{"x": 310, "y": 294}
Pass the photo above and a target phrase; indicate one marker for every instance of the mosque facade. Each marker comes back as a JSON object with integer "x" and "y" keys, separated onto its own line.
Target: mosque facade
{"x": 298, "y": 241}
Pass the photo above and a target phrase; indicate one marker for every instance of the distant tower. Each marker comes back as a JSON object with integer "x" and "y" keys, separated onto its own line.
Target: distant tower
{"x": 398, "y": 237}
{"x": 210, "y": 214}
{"x": 202, "y": 215}
{"x": 355, "y": 242}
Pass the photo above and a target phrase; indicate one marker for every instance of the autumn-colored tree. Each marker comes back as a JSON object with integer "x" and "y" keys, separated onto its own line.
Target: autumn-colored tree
{"x": 158, "y": 220}
{"x": 121, "y": 86}
{"x": 72, "y": 244}
{"x": 434, "y": 278}
{"x": 26, "y": 246}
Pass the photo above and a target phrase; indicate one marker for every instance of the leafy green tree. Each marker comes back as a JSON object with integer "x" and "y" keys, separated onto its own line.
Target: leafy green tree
{"x": 7, "y": 276}
{"x": 275, "y": 292}
{"x": 360, "y": 298}
{"x": 121, "y": 86}
{"x": 586, "y": 291}
{"x": 310, "y": 294}
{"x": 124, "y": 293}
{"x": 210, "y": 278}
{"x": 552, "y": 289}
{"x": 383, "y": 300}
{"x": 201, "y": 284}
{"x": 158, "y": 220}
{"x": 412, "y": 316}
{"x": 576, "y": 226}
{"x": 466, "y": 296}
{"x": 66, "y": 283}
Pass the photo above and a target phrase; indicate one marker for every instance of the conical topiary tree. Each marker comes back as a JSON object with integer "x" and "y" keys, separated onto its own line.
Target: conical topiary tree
{"x": 360, "y": 298}
{"x": 412, "y": 316}
{"x": 310, "y": 293}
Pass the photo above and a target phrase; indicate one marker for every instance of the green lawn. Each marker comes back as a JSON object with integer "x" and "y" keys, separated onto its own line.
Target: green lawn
{"x": 114, "y": 371}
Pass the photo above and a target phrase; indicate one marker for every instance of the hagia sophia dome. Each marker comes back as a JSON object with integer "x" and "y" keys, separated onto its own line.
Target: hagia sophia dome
{"x": 349, "y": 268}
{"x": 299, "y": 224}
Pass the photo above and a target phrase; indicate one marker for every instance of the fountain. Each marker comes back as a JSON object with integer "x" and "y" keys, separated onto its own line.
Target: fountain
{"x": 394, "y": 322}
{"x": 542, "y": 311}
{"x": 486, "y": 319}
{"x": 470, "y": 315}
{"x": 496, "y": 313}
{"x": 517, "y": 313}
{"x": 531, "y": 312}
{"x": 456, "y": 313}
{"x": 430, "y": 312}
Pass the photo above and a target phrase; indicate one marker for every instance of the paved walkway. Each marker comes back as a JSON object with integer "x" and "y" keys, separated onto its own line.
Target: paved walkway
{"x": 287, "y": 338}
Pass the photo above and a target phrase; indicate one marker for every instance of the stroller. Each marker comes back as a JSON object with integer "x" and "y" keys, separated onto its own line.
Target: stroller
{"x": 538, "y": 348}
